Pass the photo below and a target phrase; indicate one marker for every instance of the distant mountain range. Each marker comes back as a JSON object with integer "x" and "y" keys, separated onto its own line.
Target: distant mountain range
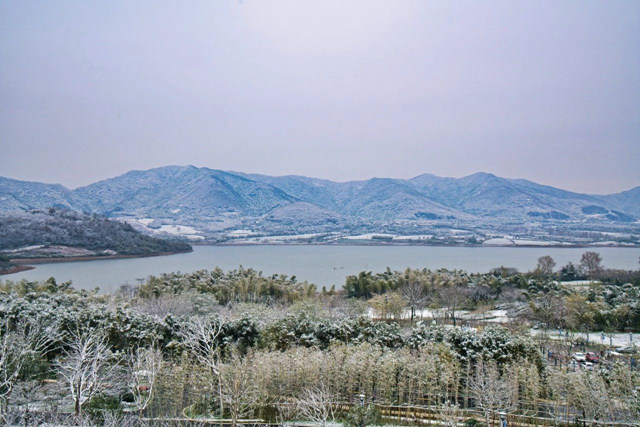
{"x": 215, "y": 202}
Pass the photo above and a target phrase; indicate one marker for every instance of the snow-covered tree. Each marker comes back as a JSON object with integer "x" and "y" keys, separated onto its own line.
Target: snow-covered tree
{"x": 490, "y": 392}
{"x": 21, "y": 342}
{"x": 238, "y": 390}
{"x": 144, "y": 365}
{"x": 202, "y": 337}
{"x": 85, "y": 366}
{"x": 318, "y": 404}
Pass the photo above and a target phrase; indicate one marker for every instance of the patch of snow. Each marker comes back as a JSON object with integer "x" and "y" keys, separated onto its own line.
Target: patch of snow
{"x": 492, "y": 316}
{"x": 23, "y": 249}
{"x": 414, "y": 237}
{"x": 524, "y": 242}
{"x": 618, "y": 235}
{"x": 579, "y": 282}
{"x": 510, "y": 241}
{"x": 608, "y": 243}
{"x": 240, "y": 233}
{"x": 498, "y": 241}
{"x": 178, "y": 230}
{"x": 193, "y": 237}
{"x": 276, "y": 239}
{"x": 458, "y": 231}
{"x": 616, "y": 339}
{"x": 370, "y": 236}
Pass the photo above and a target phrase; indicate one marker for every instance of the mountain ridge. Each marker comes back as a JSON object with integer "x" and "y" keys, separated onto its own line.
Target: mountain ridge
{"x": 217, "y": 200}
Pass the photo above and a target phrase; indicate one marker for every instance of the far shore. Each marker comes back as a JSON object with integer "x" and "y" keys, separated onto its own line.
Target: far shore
{"x": 435, "y": 245}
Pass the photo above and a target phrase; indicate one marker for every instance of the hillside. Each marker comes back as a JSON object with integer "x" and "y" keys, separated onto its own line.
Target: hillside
{"x": 212, "y": 203}
{"x": 63, "y": 233}
{"x": 20, "y": 196}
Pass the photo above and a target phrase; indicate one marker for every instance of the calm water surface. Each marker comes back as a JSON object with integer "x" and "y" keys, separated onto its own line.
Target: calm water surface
{"x": 322, "y": 265}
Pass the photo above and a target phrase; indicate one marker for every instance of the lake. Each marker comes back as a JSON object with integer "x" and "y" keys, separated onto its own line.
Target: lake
{"x": 322, "y": 265}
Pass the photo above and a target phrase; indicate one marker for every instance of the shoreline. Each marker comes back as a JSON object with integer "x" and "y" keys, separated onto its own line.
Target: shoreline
{"x": 294, "y": 243}
{"x": 16, "y": 269}
{"x": 22, "y": 264}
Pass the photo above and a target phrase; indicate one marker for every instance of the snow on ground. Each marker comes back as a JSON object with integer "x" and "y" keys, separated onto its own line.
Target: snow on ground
{"x": 240, "y": 233}
{"x": 280, "y": 239}
{"x": 510, "y": 241}
{"x": 221, "y": 224}
{"x": 617, "y": 235}
{"x": 523, "y": 242}
{"x": 616, "y": 339}
{"x": 176, "y": 230}
{"x": 370, "y": 236}
{"x": 413, "y": 237}
{"x": 193, "y": 237}
{"x": 500, "y": 241}
{"x": 22, "y": 249}
{"x": 492, "y": 316}
{"x": 579, "y": 282}
{"x": 179, "y": 230}
{"x": 458, "y": 231}
{"x": 607, "y": 243}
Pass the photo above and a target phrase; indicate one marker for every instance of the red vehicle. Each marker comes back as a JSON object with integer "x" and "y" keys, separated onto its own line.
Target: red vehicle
{"x": 592, "y": 357}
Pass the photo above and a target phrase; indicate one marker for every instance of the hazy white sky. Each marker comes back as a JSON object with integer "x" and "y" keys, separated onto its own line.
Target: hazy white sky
{"x": 543, "y": 90}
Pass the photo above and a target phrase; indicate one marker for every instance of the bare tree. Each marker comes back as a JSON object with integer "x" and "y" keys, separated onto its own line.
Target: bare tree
{"x": 591, "y": 263}
{"x": 111, "y": 419}
{"x": 559, "y": 386}
{"x": 20, "y": 343}
{"x": 452, "y": 297}
{"x": 286, "y": 411}
{"x": 550, "y": 310}
{"x": 201, "y": 335}
{"x": 238, "y": 390}
{"x": 546, "y": 264}
{"x": 490, "y": 392}
{"x": 450, "y": 414}
{"x": 144, "y": 365}
{"x": 414, "y": 293}
{"x": 318, "y": 404}
{"x": 588, "y": 392}
{"x": 84, "y": 366}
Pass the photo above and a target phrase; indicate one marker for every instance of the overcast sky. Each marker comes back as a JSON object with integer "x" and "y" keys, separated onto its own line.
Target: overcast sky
{"x": 547, "y": 91}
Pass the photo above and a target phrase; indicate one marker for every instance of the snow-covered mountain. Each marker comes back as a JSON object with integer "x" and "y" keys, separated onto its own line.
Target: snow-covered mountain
{"x": 20, "y": 196}
{"x": 188, "y": 195}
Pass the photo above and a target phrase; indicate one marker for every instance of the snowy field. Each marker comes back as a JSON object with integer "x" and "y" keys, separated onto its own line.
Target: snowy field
{"x": 616, "y": 339}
